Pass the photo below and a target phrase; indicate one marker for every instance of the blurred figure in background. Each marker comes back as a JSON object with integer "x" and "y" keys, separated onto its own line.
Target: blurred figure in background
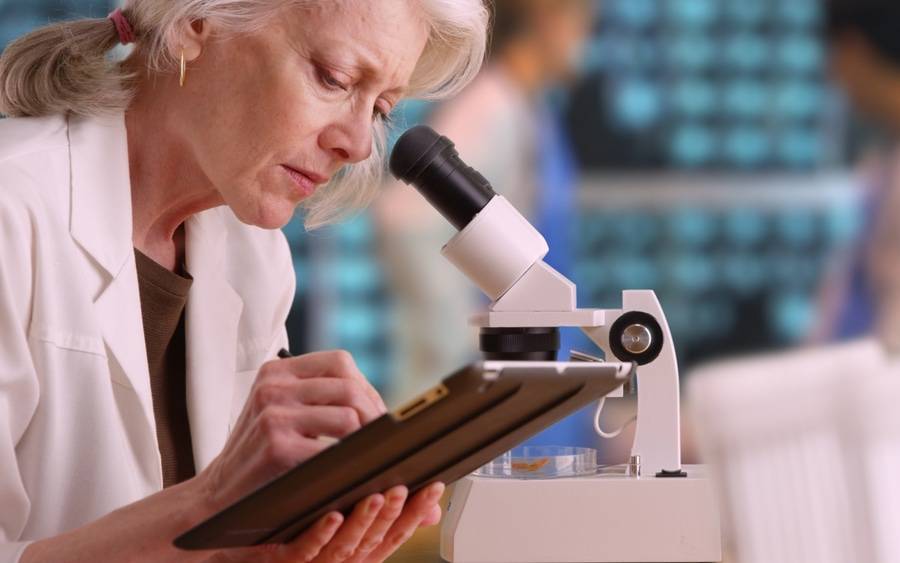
{"x": 826, "y": 416}
{"x": 503, "y": 127}
{"x": 863, "y": 295}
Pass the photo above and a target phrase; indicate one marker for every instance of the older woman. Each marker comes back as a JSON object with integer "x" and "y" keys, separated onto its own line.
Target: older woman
{"x": 143, "y": 283}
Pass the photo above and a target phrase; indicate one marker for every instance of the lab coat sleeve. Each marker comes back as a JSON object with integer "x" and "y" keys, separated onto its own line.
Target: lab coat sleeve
{"x": 18, "y": 381}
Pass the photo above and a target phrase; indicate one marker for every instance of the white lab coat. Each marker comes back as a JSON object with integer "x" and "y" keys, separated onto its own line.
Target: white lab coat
{"x": 77, "y": 433}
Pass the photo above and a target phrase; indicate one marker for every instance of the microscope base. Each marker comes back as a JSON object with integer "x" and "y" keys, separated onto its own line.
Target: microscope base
{"x": 603, "y": 518}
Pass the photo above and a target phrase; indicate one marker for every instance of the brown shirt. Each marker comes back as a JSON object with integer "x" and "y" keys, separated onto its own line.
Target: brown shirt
{"x": 163, "y": 297}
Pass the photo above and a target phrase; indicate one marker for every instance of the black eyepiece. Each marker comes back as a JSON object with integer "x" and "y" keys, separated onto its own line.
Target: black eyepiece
{"x": 430, "y": 162}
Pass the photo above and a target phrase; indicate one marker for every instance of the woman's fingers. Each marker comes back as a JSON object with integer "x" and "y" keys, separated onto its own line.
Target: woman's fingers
{"x": 287, "y": 389}
{"x": 343, "y": 392}
{"x": 433, "y": 518}
{"x": 311, "y": 422}
{"x": 419, "y": 509}
{"x": 308, "y": 545}
{"x": 394, "y": 500}
{"x": 346, "y": 541}
{"x": 376, "y": 528}
{"x": 335, "y": 363}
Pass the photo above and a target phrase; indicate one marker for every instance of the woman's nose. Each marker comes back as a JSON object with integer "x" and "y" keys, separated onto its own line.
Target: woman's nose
{"x": 349, "y": 142}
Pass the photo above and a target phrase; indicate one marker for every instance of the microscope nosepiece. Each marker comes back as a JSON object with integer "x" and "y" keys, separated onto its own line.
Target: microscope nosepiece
{"x": 430, "y": 162}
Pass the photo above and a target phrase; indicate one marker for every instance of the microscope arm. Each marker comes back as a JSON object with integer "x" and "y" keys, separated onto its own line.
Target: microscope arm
{"x": 657, "y": 436}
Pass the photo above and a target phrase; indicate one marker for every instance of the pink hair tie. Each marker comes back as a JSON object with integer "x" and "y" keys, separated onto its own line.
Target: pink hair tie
{"x": 126, "y": 33}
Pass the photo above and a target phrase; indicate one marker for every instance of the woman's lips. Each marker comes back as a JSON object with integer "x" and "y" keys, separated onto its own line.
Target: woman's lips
{"x": 306, "y": 182}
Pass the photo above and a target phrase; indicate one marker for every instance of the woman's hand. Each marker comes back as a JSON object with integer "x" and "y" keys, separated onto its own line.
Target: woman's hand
{"x": 293, "y": 404}
{"x": 377, "y": 527}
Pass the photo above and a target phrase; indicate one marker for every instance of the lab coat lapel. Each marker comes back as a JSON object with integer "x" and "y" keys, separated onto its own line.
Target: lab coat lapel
{"x": 213, "y": 312}
{"x": 101, "y": 225}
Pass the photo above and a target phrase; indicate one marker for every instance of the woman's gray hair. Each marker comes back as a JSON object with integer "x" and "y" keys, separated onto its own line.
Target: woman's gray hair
{"x": 66, "y": 68}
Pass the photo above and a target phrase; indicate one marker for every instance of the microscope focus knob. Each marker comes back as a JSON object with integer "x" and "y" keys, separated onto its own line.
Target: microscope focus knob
{"x": 637, "y": 337}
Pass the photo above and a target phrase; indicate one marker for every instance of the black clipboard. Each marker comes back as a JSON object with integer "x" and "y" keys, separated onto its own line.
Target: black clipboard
{"x": 474, "y": 415}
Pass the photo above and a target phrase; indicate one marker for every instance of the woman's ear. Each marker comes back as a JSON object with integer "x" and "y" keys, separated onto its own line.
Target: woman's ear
{"x": 194, "y": 36}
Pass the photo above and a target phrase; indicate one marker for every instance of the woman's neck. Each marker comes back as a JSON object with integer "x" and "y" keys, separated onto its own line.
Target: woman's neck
{"x": 167, "y": 185}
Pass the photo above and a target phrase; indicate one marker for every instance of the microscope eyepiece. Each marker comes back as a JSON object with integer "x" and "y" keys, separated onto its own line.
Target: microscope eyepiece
{"x": 430, "y": 162}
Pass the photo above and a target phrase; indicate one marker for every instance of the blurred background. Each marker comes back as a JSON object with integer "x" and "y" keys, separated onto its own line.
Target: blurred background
{"x": 714, "y": 151}
{"x": 695, "y": 147}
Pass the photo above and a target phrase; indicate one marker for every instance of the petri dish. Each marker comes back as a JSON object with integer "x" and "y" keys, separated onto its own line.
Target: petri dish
{"x": 542, "y": 462}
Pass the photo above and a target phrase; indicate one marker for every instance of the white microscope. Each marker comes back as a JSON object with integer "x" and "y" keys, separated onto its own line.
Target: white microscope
{"x": 649, "y": 508}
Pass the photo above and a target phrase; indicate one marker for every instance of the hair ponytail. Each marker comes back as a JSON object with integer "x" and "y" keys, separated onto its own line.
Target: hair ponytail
{"x": 63, "y": 68}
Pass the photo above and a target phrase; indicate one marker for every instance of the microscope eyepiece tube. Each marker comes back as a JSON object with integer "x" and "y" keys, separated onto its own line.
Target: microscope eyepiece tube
{"x": 495, "y": 244}
{"x": 430, "y": 162}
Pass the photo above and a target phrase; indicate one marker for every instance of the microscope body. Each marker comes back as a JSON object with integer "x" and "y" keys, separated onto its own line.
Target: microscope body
{"x": 651, "y": 508}
{"x": 502, "y": 253}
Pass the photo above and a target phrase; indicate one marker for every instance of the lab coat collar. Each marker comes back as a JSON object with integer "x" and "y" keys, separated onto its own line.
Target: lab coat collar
{"x": 101, "y": 223}
{"x": 101, "y": 190}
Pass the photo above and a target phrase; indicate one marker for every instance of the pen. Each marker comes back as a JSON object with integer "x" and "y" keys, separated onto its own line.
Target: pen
{"x": 284, "y": 354}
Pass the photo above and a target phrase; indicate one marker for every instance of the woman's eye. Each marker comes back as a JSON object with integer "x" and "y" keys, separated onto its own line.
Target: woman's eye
{"x": 381, "y": 115}
{"x": 331, "y": 82}
{"x": 382, "y": 112}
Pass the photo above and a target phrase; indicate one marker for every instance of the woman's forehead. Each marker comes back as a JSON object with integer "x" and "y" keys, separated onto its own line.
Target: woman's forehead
{"x": 374, "y": 21}
{"x": 375, "y": 37}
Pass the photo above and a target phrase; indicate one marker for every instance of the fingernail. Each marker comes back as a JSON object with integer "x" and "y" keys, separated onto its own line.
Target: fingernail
{"x": 436, "y": 491}
{"x": 333, "y": 519}
{"x": 374, "y": 505}
{"x": 397, "y": 497}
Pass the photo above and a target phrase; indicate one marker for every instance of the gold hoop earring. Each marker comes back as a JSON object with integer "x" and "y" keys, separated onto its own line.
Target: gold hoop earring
{"x": 183, "y": 70}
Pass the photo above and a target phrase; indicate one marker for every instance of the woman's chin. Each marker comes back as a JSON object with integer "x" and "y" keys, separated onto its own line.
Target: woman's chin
{"x": 268, "y": 217}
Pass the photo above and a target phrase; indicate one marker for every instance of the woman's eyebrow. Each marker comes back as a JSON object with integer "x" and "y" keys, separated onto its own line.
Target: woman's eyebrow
{"x": 368, "y": 66}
